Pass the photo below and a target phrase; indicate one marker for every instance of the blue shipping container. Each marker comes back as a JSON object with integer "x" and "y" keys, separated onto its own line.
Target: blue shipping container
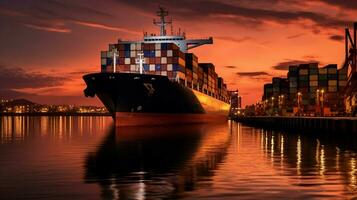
{"x": 157, "y": 67}
{"x": 127, "y": 47}
{"x": 127, "y": 54}
{"x": 109, "y": 61}
{"x": 177, "y": 67}
{"x": 146, "y": 67}
{"x": 146, "y": 53}
{"x": 164, "y": 46}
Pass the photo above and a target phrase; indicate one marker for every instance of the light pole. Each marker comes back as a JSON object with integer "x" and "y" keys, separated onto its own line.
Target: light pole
{"x": 322, "y": 102}
{"x": 318, "y": 102}
{"x": 299, "y": 102}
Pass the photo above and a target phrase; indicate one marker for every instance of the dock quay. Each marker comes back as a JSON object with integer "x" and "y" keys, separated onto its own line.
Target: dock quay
{"x": 336, "y": 125}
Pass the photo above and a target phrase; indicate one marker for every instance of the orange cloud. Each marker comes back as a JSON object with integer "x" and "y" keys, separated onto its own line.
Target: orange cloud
{"x": 48, "y": 28}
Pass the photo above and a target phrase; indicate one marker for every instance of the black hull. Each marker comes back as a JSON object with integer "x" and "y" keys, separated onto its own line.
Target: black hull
{"x": 125, "y": 93}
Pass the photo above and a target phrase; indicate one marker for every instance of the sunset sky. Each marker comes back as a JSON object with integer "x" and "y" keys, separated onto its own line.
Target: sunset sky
{"x": 47, "y": 45}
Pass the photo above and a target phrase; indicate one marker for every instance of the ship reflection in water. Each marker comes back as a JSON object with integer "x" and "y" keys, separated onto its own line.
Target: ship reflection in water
{"x": 157, "y": 162}
{"x": 84, "y": 158}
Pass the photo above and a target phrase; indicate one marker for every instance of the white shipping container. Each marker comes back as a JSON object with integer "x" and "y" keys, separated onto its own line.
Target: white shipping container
{"x": 342, "y": 83}
{"x": 110, "y": 54}
{"x": 133, "y": 54}
{"x": 169, "y": 53}
{"x": 332, "y": 71}
{"x": 127, "y": 61}
{"x": 323, "y": 71}
{"x": 313, "y": 77}
{"x": 332, "y": 88}
{"x": 152, "y": 67}
{"x": 103, "y": 61}
{"x": 138, "y": 46}
{"x": 133, "y": 68}
{"x": 303, "y": 71}
{"x": 158, "y": 46}
{"x": 132, "y": 46}
{"x": 163, "y": 60}
{"x": 332, "y": 82}
{"x": 313, "y": 83}
{"x": 157, "y": 53}
{"x": 164, "y": 73}
{"x": 169, "y": 67}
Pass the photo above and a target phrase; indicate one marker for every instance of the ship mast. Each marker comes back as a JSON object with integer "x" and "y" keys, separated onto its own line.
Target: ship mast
{"x": 162, "y": 13}
{"x": 140, "y": 60}
{"x": 115, "y": 54}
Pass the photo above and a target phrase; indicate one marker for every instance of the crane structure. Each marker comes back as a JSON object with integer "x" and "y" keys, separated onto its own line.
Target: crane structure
{"x": 350, "y": 64}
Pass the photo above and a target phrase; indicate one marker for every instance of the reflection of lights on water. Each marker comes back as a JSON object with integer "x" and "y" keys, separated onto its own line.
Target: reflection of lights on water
{"x": 282, "y": 148}
{"x": 317, "y": 154}
{"x": 322, "y": 167}
{"x": 337, "y": 159}
{"x": 352, "y": 174}
{"x": 114, "y": 189}
{"x": 272, "y": 146}
{"x": 298, "y": 156}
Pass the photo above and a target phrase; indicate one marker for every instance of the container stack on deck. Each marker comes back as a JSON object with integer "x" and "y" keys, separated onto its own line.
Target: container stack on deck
{"x": 314, "y": 85}
{"x": 160, "y": 59}
{"x": 166, "y": 59}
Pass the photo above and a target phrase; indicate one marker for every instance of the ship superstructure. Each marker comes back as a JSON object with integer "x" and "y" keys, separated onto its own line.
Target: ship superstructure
{"x": 157, "y": 77}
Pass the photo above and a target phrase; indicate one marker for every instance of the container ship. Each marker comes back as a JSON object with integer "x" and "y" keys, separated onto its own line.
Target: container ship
{"x": 157, "y": 81}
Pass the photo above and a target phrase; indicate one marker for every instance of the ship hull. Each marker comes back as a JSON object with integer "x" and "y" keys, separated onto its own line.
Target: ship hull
{"x": 140, "y": 99}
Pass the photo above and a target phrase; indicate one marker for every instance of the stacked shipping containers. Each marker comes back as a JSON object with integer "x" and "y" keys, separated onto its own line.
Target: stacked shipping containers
{"x": 308, "y": 79}
{"x": 165, "y": 59}
{"x": 160, "y": 59}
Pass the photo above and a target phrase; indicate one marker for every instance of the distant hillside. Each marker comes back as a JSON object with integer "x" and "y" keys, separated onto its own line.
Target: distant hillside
{"x": 20, "y": 102}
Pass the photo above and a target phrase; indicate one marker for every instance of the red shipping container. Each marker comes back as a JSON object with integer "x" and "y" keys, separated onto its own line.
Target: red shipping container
{"x": 121, "y": 54}
{"x": 151, "y": 60}
{"x": 121, "y": 61}
{"x": 126, "y": 67}
{"x": 157, "y": 60}
{"x": 163, "y": 67}
{"x": 146, "y": 47}
{"x": 157, "y": 72}
{"x": 175, "y": 60}
{"x": 121, "y": 47}
{"x": 175, "y": 53}
{"x": 121, "y": 68}
{"x": 163, "y": 53}
{"x": 132, "y": 60}
{"x": 152, "y": 47}
{"x": 169, "y": 60}
{"x": 170, "y": 73}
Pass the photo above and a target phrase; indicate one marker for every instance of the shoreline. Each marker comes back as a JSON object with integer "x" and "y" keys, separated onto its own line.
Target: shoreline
{"x": 55, "y": 114}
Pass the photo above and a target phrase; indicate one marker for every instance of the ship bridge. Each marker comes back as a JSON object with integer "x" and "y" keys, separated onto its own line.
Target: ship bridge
{"x": 179, "y": 39}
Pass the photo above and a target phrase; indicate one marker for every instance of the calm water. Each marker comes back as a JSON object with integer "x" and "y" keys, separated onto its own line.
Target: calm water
{"x": 86, "y": 158}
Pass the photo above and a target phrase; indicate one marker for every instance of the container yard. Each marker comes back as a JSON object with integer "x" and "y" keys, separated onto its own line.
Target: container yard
{"x": 312, "y": 90}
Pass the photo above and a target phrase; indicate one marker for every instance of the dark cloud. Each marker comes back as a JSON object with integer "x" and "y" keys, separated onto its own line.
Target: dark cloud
{"x": 295, "y": 36}
{"x": 230, "y": 67}
{"x": 253, "y": 74}
{"x": 55, "y": 16}
{"x": 203, "y": 9}
{"x": 347, "y": 4}
{"x": 19, "y": 78}
{"x": 285, "y": 64}
{"x": 337, "y": 38}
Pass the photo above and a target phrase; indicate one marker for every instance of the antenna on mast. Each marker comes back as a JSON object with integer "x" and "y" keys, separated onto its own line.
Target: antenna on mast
{"x": 140, "y": 60}
{"x": 162, "y": 13}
